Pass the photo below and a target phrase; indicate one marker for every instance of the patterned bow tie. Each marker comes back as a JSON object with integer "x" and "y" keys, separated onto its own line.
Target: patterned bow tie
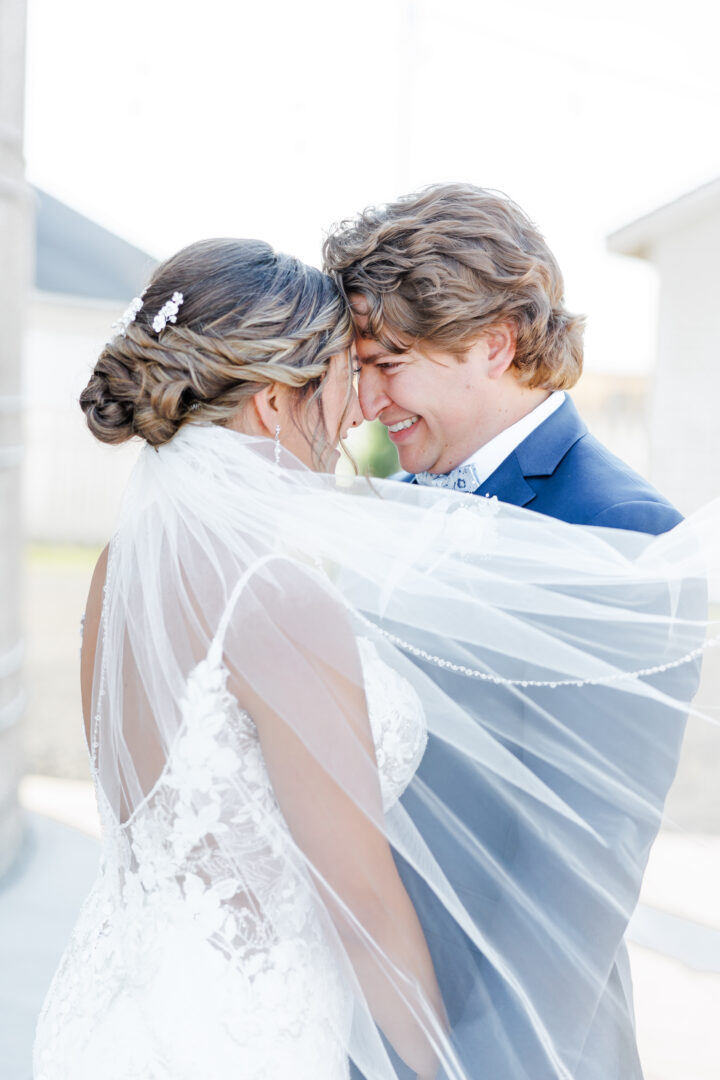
{"x": 464, "y": 478}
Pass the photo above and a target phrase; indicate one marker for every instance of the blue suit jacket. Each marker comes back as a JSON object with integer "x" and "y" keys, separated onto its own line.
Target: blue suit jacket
{"x": 562, "y": 471}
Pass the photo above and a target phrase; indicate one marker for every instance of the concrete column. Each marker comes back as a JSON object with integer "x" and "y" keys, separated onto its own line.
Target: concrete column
{"x": 15, "y": 262}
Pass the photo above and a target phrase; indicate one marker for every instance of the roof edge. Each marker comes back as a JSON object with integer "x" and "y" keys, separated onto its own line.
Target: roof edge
{"x": 637, "y": 237}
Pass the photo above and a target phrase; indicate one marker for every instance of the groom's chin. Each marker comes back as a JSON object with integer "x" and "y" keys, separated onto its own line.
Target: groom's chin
{"x": 410, "y": 460}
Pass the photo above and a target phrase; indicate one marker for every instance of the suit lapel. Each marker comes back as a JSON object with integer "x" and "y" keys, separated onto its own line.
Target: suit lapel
{"x": 538, "y": 455}
{"x": 508, "y": 483}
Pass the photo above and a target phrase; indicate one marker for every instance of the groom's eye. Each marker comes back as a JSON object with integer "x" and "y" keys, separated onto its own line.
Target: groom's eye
{"x": 390, "y": 365}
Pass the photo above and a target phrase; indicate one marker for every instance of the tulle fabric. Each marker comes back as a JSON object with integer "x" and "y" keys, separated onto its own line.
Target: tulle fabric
{"x": 523, "y": 833}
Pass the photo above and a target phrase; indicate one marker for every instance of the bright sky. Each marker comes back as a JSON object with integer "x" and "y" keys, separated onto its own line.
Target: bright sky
{"x": 170, "y": 121}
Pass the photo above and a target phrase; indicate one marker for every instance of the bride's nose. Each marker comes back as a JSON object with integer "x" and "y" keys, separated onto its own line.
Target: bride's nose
{"x": 356, "y": 416}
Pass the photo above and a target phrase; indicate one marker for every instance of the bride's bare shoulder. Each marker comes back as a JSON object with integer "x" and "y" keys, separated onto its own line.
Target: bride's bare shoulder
{"x": 97, "y": 583}
{"x": 91, "y": 625}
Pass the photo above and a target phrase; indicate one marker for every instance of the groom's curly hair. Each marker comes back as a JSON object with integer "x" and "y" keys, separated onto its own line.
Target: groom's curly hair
{"x": 249, "y": 317}
{"x": 446, "y": 264}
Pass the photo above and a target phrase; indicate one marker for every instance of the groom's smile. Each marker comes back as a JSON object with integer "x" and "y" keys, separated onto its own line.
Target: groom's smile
{"x": 438, "y": 408}
{"x": 422, "y": 399}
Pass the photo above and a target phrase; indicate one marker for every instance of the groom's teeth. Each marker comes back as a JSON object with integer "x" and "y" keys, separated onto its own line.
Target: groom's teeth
{"x": 404, "y": 424}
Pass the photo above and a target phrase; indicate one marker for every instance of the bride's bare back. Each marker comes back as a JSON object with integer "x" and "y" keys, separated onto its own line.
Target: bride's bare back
{"x": 93, "y": 609}
{"x": 287, "y": 761}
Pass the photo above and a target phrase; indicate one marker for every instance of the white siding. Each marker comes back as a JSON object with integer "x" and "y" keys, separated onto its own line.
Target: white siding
{"x": 72, "y": 484}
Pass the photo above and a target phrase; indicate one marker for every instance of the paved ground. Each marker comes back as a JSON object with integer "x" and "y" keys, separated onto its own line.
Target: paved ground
{"x": 677, "y": 988}
{"x": 39, "y": 902}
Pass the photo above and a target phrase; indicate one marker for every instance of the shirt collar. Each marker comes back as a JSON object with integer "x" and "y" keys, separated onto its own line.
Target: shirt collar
{"x": 490, "y": 456}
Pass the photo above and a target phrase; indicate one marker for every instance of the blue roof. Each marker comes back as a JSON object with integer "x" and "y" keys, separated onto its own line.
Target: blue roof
{"x": 77, "y": 257}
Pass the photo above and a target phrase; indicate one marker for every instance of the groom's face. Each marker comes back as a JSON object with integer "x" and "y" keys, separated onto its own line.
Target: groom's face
{"x": 431, "y": 402}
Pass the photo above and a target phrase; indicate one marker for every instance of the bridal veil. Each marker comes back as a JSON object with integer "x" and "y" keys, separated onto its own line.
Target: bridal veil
{"x": 554, "y": 666}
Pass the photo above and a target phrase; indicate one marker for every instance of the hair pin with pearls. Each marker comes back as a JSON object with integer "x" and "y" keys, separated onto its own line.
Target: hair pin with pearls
{"x": 168, "y": 312}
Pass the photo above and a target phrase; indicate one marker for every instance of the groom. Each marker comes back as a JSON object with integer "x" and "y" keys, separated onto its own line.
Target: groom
{"x": 466, "y": 353}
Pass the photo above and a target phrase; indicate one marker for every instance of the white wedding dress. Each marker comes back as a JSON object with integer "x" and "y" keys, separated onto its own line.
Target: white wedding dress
{"x": 176, "y": 968}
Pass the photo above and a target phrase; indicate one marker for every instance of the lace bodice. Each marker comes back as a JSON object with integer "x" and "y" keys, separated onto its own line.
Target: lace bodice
{"x": 204, "y": 878}
{"x": 397, "y": 721}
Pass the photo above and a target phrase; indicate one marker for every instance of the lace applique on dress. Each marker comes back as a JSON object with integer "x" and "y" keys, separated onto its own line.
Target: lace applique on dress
{"x": 397, "y": 720}
{"x": 181, "y": 966}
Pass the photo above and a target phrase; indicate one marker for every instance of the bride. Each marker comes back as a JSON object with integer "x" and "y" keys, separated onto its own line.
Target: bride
{"x": 267, "y": 650}
{"x": 204, "y": 948}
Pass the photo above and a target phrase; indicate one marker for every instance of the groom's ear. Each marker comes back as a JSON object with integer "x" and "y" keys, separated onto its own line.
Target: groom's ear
{"x": 266, "y": 405}
{"x": 501, "y": 343}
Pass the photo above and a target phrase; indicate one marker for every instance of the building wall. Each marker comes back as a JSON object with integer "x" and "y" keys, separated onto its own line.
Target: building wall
{"x": 685, "y": 425}
{"x": 72, "y": 484}
{"x": 616, "y": 409}
{"x": 15, "y": 248}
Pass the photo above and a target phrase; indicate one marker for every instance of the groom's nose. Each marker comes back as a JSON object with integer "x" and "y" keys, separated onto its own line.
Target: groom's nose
{"x": 371, "y": 392}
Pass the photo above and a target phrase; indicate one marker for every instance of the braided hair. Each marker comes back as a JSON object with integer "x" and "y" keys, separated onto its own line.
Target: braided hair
{"x": 249, "y": 317}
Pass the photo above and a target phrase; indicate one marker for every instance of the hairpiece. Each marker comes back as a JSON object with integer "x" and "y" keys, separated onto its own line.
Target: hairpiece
{"x": 127, "y": 317}
{"x": 168, "y": 312}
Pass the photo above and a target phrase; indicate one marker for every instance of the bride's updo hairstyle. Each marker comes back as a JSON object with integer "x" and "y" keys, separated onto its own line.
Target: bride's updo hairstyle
{"x": 249, "y": 317}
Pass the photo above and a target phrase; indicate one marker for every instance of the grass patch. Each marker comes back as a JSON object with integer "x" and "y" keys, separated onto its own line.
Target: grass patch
{"x": 61, "y": 556}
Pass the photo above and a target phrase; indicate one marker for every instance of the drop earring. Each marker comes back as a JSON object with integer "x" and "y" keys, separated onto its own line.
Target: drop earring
{"x": 277, "y": 444}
